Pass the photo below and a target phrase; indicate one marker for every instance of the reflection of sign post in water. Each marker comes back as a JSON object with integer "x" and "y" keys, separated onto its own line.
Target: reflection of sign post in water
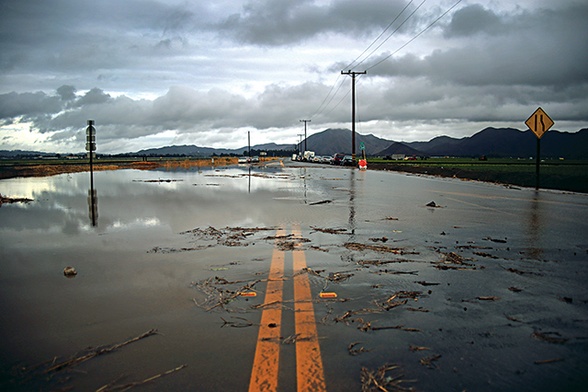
{"x": 93, "y": 205}
{"x": 539, "y": 123}
{"x": 91, "y": 147}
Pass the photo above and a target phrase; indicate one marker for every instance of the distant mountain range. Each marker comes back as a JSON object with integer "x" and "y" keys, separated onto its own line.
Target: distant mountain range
{"x": 491, "y": 142}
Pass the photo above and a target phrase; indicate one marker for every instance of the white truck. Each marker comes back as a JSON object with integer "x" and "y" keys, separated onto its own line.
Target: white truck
{"x": 308, "y": 156}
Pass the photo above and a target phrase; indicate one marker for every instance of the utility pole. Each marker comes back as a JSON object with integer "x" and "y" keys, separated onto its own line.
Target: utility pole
{"x": 305, "y": 121}
{"x": 353, "y": 74}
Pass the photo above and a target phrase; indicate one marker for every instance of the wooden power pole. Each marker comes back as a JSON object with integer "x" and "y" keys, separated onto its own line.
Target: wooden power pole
{"x": 353, "y": 74}
{"x": 305, "y": 121}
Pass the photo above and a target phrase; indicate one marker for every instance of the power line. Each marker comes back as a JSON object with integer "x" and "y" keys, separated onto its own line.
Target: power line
{"x": 416, "y": 36}
{"x": 395, "y": 30}
{"x": 337, "y": 85}
{"x": 351, "y": 65}
{"x": 329, "y": 98}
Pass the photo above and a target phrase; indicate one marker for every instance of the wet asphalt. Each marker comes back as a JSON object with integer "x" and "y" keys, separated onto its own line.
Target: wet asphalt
{"x": 440, "y": 284}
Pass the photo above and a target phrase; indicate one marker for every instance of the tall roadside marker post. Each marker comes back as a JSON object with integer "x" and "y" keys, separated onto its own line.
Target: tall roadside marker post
{"x": 353, "y": 74}
{"x": 91, "y": 141}
{"x": 539, "y": 123}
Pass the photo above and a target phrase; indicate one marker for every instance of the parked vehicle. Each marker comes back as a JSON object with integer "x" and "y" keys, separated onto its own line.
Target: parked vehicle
{"x": 244, "y": 160}
{"x": 348, "y": 161}
{"x": 326, "y": 159}
{"x": 308, "y": 156}
{"x": 336, "y": 160}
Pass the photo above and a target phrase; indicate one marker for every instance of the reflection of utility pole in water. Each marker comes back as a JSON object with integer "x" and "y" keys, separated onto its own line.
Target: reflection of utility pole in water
{"x": 92, "y": 194}
{"x": 249, "y": 187}
{"x": 534, "y": 249}
{"x": 352, "y": 205}
{"x": 303, "y": 176}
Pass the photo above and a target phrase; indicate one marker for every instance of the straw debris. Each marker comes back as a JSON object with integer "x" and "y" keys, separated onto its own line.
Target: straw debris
{"x": 387, "y": 378}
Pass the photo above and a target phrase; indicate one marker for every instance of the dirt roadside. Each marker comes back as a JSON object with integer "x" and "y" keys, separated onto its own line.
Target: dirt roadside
{"x": 51, "y": 169}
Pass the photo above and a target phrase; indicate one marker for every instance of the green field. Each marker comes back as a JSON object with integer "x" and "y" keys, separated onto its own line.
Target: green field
{"x": 554, "y": 174}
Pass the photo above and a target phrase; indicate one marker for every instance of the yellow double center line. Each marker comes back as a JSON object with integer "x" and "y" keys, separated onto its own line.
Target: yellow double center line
{"x": 309, "y": 366}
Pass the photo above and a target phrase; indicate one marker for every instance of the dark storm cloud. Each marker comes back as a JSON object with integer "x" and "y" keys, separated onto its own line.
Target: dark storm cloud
{"x": 28, "y": 104}
{"x": 474, "y": 19}
{"x": 268, "y": 22}
{"x": 524, "y": 49}
{"x": 63, "y": 38}
{"x": 201, "y": 70}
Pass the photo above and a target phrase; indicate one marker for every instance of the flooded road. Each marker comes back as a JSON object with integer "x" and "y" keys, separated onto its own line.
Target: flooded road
{"x": 414, "y": 282}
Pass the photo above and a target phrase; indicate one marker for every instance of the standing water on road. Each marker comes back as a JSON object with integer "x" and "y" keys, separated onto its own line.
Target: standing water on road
{"x": 433, "y": 284}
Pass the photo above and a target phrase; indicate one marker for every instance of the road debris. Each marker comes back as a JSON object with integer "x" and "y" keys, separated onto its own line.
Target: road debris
{"x": 354, "y": 351}
{"x": 519, "y": 272}
{"x": 316, "y": 203}
{"x": 380, "y": 379}
{"x": 414, "y": 348}
{"x": 376, "y": 248}
{"x": 240, "y": 323}
{"x": 487, "y": 255}
{"x": 488, "y": 298}
{"x": 453, "y": 261}
{"x": 160, "y": 180}
{"x": 125, "y": 387}
{"x": 220, "y": 292}
{"x": 424, "y": 283}
{"x": 97, "y": 352}
{"x": 549, "y": 337}
{"x": 329, "y": 231}
{"x": 228, "y": 236}
{"x": 9, "y": 200}
{"x": 546, "y": 361}
{"x": 70, "y": 272}
{"x": 428, "y": 361}
{"x": 498, "y": 240}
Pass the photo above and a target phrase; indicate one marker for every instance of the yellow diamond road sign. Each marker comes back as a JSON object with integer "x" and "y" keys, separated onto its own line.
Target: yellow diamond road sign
{"x": 539, "y": 122}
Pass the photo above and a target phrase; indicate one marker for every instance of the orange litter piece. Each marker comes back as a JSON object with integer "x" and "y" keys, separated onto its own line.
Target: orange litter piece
{"x": 248, "y": 294}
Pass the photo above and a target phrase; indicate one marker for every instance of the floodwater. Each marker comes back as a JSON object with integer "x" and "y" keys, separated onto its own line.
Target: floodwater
{"x": 485, "y": 291}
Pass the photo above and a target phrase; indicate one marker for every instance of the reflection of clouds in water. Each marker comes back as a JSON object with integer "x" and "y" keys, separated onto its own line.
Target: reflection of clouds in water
{"x": 29, "y": 188}
{"x": 137, "y": 223}
{"x": 126, "y": 202}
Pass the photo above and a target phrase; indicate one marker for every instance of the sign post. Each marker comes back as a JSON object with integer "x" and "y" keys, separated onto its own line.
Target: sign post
{"x": 363, "y": 160}
{"x": 539, "y": 123}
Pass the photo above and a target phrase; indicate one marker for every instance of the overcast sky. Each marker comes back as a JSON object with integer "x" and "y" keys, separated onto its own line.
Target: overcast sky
{"x": 160, "y": 72}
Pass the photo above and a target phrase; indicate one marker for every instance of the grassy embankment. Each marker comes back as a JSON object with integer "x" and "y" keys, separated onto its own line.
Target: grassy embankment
{"x": 554, "y": 174}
